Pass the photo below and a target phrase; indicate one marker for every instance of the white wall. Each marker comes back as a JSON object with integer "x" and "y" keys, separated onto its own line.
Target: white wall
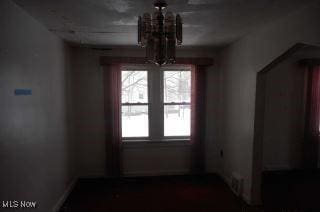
{"x": 283, "y": 132}
{"x": 239, "y": 64}
{"x": 156, "y": 159}
{"x": 89, "y": 112}
{"x": 138, "y": 159}
{"x": 213, "y": 118}
{"x": 36, "y": 155}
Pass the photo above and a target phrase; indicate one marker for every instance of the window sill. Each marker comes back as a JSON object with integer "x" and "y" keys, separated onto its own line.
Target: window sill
{"x": 169, "y": 142}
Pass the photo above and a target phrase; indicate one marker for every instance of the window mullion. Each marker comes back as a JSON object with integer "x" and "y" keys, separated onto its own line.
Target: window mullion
{"x": 134, "y": 104}
{"x": 177, "y": 103}
{"x": 161, "y": 106}
{"x": 155, "y": 104}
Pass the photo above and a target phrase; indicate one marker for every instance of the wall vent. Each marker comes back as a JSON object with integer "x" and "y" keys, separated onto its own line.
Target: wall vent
{"x": 236, "y": 184}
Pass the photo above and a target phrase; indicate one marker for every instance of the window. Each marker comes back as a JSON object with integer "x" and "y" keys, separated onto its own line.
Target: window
{"x": 134, "y": 98}
{"x": 177, "y": 92}
{"x": 155, "y": 102}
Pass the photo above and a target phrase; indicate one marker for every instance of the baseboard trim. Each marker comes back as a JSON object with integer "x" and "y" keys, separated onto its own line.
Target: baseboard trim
{"x": 64, "y": 196}
{"x": 227, "y": 180}
{"x": 246, "y": 198}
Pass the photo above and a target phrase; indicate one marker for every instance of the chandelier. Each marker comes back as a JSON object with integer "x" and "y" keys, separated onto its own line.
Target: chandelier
{"x": 160, "y": 33}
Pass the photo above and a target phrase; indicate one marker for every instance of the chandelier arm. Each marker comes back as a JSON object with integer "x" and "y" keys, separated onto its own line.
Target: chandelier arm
{"x": 160, "y": 44}
{"x": 139, "y": 30}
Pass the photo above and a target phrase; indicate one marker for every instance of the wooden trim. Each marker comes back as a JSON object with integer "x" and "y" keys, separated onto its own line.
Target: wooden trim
{"x": 259, "y": 117}
{"x": 203, "y": 61}
{"x": 283, "y": 56}
{"x": 310, "y": 62}
{"x": 58, "y": 206}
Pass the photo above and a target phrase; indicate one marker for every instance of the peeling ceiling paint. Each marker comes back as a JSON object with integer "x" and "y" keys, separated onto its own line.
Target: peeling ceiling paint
{"x": 114, "y": 22}
{"x": 126, "y": 21}
{"x": 120, "y": 5}
{"x": 199, "y": 2}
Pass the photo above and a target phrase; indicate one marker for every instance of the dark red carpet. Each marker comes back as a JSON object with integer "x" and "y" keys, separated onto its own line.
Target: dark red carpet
{"x": 155, "y": 194}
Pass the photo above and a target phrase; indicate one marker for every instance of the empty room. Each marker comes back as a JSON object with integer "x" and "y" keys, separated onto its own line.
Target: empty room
{"x": 156, "y": 106}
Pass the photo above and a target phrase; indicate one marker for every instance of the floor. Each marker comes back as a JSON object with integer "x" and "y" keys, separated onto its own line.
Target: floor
{"x": 295, "y": 190}
{"x": 155, "y": 194}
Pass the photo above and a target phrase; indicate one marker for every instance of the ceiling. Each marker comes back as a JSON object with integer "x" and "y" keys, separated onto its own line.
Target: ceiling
{"x": 114, "y": 22}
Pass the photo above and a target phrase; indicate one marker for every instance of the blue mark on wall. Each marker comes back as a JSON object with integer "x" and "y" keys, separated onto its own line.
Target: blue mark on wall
{"x": 22, "y": 92}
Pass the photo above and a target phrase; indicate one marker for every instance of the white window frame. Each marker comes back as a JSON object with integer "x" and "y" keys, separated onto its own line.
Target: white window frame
{"x": 137, "y": 68}
{"x": 155, "y": 102}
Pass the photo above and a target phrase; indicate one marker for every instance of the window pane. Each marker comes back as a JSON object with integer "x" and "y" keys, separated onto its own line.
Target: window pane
{"x": 134, "y": 86}
{"x": 135, "y": 121}
{"x": 177, "y": 120}
{"x": 177, "y": 86}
